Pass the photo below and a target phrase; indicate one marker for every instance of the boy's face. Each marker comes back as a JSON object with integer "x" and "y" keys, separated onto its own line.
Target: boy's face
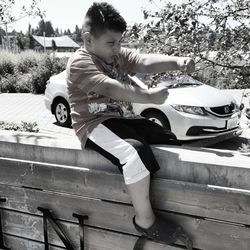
{"x": 106, "y": 46}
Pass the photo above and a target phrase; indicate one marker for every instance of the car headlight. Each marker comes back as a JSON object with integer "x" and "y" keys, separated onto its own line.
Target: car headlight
{"x": 236, "y": 106}
{"x": 189, "y": 109}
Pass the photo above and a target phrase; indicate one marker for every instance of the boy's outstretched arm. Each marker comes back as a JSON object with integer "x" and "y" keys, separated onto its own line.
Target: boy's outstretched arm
{"x": 124, "y": 92}
{"x": 149, "y": 63}
{"x": 156, "y": 63}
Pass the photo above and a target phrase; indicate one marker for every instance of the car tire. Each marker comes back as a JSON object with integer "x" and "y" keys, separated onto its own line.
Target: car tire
{"x": 61, "y": 110}
{"x": 159, "y": 118}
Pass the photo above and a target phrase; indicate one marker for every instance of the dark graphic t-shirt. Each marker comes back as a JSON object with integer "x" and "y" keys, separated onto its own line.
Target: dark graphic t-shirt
{"x": 85, "y": 72}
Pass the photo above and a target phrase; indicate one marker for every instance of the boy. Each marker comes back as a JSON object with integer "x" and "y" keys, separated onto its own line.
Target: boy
{"x": 101, "y": 92}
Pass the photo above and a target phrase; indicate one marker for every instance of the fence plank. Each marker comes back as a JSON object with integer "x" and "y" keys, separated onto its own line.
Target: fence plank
{"x": 117, "y": 217}
{"x": 63, "y": 178}
{"x": 17, "y": 243}
{"x": 202, "y": 200}
{"x": 204, "y": 166}
{"x": 207, "y": 234}
{"x": 199, "y": 165}
{"x": 30, "y": 227}
{"x": 194, "y": 199}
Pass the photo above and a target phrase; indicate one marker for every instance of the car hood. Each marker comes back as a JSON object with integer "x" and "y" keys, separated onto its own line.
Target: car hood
{"x": 201, "y": 95}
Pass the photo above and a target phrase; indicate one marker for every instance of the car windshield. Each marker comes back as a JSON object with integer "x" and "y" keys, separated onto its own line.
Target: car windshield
{"x": 180, "y": 82}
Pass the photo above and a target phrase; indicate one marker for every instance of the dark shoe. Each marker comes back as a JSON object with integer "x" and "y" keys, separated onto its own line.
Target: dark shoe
{"x": 139, "y": 244}
{"x": 165, "y": 232}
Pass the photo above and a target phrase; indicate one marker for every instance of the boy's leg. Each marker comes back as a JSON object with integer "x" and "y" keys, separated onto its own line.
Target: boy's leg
{"x": 152, "y": 132}
{"x": 130, "y": 155}
{"x": 139, "y": 194}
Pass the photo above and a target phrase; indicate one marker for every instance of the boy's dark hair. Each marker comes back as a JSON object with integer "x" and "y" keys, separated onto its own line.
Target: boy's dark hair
{"x": 103, "y": 16}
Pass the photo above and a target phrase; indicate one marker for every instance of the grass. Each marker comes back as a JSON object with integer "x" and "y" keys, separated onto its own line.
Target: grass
{"x": 23, "y": 127}
{"x": 245, "y": 147}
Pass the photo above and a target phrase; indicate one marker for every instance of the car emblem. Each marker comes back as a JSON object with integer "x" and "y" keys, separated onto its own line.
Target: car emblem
{"x": 226, "y": 109}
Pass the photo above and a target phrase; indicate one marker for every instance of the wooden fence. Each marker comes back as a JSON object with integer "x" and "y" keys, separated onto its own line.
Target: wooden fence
{"x": 216, "y": 216}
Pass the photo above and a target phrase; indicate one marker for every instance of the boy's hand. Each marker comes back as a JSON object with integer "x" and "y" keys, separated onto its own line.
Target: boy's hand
{"x": 186, "y": 64}
{"x": 158, "y": 95}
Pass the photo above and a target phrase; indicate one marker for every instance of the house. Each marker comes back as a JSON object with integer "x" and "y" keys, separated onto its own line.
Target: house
{"x": 59, "y": 44}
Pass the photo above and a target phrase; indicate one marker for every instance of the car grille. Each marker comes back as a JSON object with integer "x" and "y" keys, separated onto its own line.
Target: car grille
{"x": 201, "y": 131}
{"x": 222, "y": 111}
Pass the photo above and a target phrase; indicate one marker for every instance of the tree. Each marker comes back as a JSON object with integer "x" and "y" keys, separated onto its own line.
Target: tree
{"x": 57, "y": 33}
{"x": 20, "y": 42}
{"x": 7, "y": 16}
{"x": 41, "y": 28}
{"x": 215, "y": 32}
{"x": 53, "y": 45}
{"x": 2, "y": 34}
{"x": 6, "y": 11}
{"x": 29, "y": 29}
{"x": 31, "y": 42}
{"x": 49, "y": 31}
{"x": 78, "y": 34}
{"x": 44, "y": 26}
{"x": 67, "y": 32}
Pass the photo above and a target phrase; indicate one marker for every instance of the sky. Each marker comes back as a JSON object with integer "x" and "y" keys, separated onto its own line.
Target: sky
{"x": 66, "y": 14}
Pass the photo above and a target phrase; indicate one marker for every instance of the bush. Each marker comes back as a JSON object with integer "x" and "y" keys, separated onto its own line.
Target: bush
{"x": 16, "y": 83}
{"x": 39, "y": 79}
{"x": 24, "y": 83}
{"x": 27, "y": 60}
{"x": 8, "y": 84}
{"x": 24, "y": 126}
{"x": 27, "y": 71}
{"x": 58, "y": 65}
{"x": 45, "y": 69}
{"x": 7, "y": 63}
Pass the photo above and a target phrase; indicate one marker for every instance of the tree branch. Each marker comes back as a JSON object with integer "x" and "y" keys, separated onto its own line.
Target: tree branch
{"x": 221, "y": 64}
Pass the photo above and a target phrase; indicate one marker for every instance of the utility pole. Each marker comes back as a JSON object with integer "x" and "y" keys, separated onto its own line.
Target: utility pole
{"x": 7, "y": 36}
{"x": 44, "y": 43}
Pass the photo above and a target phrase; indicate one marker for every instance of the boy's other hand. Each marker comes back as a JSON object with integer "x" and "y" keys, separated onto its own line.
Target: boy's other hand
{"x": 158, "y": 95}
{"x": 186, "y": 64}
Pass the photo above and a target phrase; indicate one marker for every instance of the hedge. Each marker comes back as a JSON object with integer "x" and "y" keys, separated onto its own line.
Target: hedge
{"x": 28, "y": 71}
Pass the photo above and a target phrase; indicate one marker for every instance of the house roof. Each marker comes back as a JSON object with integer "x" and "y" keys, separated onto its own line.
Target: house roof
{"x": 62, "y": 41}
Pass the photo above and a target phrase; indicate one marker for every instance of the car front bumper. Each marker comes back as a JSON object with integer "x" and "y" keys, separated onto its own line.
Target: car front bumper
{"x": 192, "y": 127}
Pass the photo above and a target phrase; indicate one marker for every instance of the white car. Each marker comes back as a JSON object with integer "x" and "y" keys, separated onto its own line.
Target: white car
{"x": 192, "y": 111}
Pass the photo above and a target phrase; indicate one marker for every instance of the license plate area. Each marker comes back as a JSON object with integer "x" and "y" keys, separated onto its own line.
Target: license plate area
{"x": 232, "y": 123}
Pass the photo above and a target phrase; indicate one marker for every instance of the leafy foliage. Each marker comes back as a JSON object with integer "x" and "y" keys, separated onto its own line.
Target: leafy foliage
{"x": 28, "y": 71}
{"x": 6, "y": 11}
{"x": 7, "y": 84}
{"x": 7, "y": 64}
{"x": 214, "y": 32}
{"x": 24, "y": 126}
{"x": 27, "y": 60}
{"x": 41, "y": 75}
{"x": 44, "y": 26}
{"x": 245, "y": 147}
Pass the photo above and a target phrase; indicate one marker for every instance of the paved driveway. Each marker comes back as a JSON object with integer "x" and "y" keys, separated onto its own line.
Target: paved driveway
{"x": 31, "y": 108}
{"x": 16, "y": 107}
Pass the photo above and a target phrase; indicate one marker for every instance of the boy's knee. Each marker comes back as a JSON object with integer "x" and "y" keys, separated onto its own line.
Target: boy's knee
{"x": 134, "y": 170}
{"x": 137, "y": 145}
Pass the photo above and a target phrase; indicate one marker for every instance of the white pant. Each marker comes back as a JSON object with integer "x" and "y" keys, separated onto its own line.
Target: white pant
{"x": 133, "y": 168}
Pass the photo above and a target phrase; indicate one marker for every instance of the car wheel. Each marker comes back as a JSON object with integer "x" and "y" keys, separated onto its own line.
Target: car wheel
{"x": 62, "y": 112}
{"x": 159, "y": 118}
